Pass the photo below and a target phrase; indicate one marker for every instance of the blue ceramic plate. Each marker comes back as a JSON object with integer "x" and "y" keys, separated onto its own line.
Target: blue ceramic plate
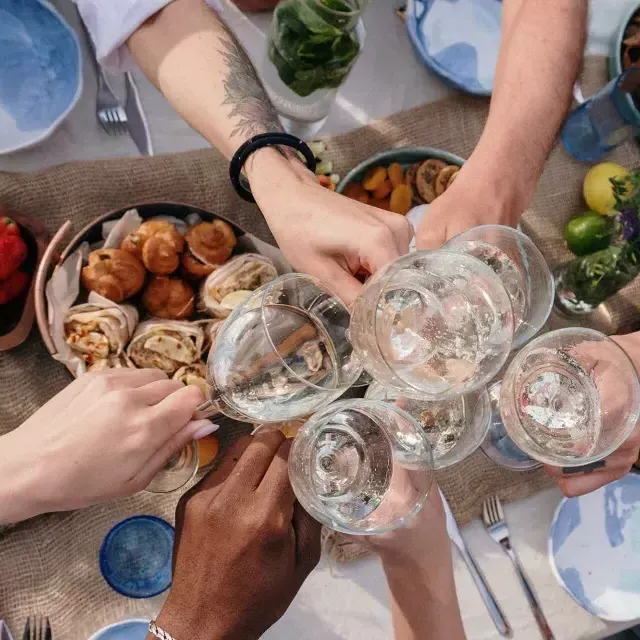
{"x": 125, "y": 630}
{"x": 40, "y": 72}
{"x": 594, "y": 548}
{"x": 135, "y": 557}
{"x": 458, "y": 40}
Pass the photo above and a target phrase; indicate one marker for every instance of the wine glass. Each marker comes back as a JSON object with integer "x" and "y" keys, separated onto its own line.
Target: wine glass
{"x": 570, "y": 397}
{"x": 361, "y": 466}
{"x": 521, "y": 267}
{"x": 283, "y": 353}
{"x": 179, "y": 471}
{"x": 454, "y": 428}
{"x": 433, "y": 325}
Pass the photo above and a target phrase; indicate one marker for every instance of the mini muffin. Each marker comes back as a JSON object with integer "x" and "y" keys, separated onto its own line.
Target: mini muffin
{"x": 114, "y": 274}
{"x": 209, "y": 244}
{"x": 170, "y": 298}
{"x": 158, "y": 244}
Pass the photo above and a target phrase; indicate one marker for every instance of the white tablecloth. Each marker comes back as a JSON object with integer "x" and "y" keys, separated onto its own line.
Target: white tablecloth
{"x": 352, "y": 603}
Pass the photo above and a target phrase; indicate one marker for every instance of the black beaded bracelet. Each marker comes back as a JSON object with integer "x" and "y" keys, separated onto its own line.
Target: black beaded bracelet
{"x": 258, "y": 142}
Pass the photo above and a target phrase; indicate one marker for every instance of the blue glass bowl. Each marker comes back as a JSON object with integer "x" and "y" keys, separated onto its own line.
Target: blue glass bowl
{"x": 135, "y": 557}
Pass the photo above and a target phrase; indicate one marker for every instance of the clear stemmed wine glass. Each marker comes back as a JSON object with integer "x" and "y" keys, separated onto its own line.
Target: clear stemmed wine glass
{"x": 283, "y": 353}
{"x": 179, "y": 470}
{"x": 570, "y": 397}
{"x": 454, "y": 428}
{"x": 361, "y": 466}
{"x": 521, "y": 267}
{"x": 433, "y": 325}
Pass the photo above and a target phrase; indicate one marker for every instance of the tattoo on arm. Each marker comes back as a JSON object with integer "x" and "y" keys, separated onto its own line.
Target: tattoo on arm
{"x": 251, "y": 110}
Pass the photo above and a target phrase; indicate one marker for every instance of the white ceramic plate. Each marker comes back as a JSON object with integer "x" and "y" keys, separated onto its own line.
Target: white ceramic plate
{"x": 40, "y": 72}
{"x": 135, "y": 629}
{"x": 594, "y": 549}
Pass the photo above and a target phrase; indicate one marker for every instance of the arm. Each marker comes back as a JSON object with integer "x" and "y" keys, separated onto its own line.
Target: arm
{"x": 539, "y": 59}
{"x": 190, "y": 56}
{"x": 418, "y": 564}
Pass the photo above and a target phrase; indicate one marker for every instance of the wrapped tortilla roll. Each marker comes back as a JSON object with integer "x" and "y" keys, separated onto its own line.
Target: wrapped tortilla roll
{"x": 99, "y": 330}
{"x": 166, "y": 345}
{"x": 211, "y": 328}
{"x": 195, "y": 374}
{"x": 231, "y": 283}
{"x": 120, "y": 361}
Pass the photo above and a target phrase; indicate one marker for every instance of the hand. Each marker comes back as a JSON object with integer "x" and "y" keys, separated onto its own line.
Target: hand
{"x": 243, "y": 548}
{"x": 620, "y": 461}
{"x": 323, "y": 233}
{"x": 106, "y": 435}
{"x": 472, "y": 200}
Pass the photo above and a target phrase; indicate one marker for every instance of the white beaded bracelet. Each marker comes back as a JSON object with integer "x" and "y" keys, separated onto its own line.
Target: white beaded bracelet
{"x": 158, "y": 632}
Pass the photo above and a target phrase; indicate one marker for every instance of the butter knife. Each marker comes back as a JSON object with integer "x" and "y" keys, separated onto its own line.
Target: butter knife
{"x": 136, "y": 119}
{"x": 490, "y": 601}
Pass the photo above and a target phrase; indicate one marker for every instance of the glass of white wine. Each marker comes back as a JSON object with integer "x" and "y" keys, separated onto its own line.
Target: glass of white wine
{"x": 361, "y": 466}
{"x": 283, "y": 353}
{"x": 570, "y": 397}
{"x": 455, "y": 428}
{"x": 433, "y": 325}
{"x": 522, "y": 268}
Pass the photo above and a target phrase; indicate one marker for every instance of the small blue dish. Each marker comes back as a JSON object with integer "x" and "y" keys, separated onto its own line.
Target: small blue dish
{"x": 126, "y": 630}
{"x": 135, "y": 557}
{"x": 594, "y": 549}
{"x": 458, "y": 40}
{"x": 40, "y": 72}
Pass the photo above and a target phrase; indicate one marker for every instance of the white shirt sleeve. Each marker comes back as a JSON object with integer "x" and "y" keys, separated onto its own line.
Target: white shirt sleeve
{"x": 111, "y": 22}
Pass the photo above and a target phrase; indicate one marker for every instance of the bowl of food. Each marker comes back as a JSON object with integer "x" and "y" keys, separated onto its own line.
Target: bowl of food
{"x": 22, "y": 244}
{"x": 147, "y": 286}
{"x": 399, "y": 179}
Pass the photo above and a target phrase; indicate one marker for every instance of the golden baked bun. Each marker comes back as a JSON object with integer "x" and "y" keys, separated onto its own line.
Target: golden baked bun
{"x": 209, "y": 244}
{"x": 158, "y": 244}
{"x": 170, "y": 298}
{"x": 114, "y": 274}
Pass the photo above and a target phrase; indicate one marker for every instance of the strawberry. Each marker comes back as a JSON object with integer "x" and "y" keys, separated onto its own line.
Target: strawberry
{"x": 8, "y": 226}
{"x": 13, "y": 251}
{"x": 13, "y": 286}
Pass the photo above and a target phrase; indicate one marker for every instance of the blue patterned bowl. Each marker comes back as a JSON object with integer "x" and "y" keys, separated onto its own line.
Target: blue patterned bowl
{"x": 40, "y": 72}
{"x": 458, "y": 40}
{"x": 594, "y": 549}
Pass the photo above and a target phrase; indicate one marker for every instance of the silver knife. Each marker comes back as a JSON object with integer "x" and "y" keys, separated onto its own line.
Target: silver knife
{"x": 490, "y": 601}
{"x": 136, "y": 118}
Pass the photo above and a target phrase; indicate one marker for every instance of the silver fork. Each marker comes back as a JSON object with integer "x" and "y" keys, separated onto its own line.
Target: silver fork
{"x": 496, "y": 526}
{"x": 110, "y": 114}
{"x": 39, "y": 630}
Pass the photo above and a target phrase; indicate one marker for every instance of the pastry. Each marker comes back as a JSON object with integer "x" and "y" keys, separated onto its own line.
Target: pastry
{"x": 231, "y": 283}
{"x": 211, "y": 328}
{"x": 166, "y": 345}
{"x": 114, "y": 274}
{"x": 99, "y": 330}
{"x": 426, "y": 178}
{"x": 444, "y": 178}
{"x": 209, "y": 244}
{"x": 158, "y": 244}
{"x": 195, "y": 374}
{"x": 170, "y": 298}
{"x": 120, "y": 361}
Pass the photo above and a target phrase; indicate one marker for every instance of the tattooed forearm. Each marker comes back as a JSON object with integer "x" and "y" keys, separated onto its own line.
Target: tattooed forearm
{"x": 251, "y": 111}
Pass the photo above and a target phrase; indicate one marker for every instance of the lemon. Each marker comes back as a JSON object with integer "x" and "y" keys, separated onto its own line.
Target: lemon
{"x": 597, "y": 188}
{"x": 587, "y": 233}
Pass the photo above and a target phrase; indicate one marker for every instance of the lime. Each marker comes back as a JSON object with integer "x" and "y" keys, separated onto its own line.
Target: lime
{"x": 597, "y": 188}
{"x": 587, "y": 233}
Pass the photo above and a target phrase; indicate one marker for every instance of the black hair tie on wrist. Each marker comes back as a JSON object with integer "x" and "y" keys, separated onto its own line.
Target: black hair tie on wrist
{"x": 258, "y": 142}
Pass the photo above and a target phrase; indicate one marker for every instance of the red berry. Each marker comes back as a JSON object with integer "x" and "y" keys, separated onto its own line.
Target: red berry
{"x": 13, "y": 251}
{"x": 9, "y": 226}
{"x": 13, "y": 286}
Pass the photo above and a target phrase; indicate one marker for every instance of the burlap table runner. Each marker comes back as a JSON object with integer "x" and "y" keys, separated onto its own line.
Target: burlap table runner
{"x": 49, "y": 565}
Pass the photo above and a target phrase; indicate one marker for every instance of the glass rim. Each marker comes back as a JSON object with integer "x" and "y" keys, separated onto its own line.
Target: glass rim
{"x": 193, "y": 444}
{"x": 323, "y": 287}
{"x": 577, "y": 462}
{"x": 385, "y": 280}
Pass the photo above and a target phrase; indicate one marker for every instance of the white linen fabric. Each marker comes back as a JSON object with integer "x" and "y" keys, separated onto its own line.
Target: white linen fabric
{"x": 111, "y": 22}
